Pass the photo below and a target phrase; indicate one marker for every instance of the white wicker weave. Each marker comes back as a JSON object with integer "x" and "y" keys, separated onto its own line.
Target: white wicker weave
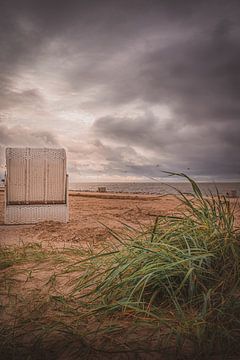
{"x": 36, "y": 185}
{"x": 30, "y": 214}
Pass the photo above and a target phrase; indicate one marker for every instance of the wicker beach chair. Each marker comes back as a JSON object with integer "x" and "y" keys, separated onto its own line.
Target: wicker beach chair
{"x": 36, "y": 186}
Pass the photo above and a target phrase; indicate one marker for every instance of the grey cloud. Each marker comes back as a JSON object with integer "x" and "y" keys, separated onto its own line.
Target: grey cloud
{"x": 11, "y": 98}
{"x": 127, "y": 54}
{"x": 147, "y": 131}
{"x": 197, "y": 77}
{"x": 200, "y": 76}
{"x": 101, "y": 158}
{"x": 205, "y": 150}
{"x": 22, "y": 136}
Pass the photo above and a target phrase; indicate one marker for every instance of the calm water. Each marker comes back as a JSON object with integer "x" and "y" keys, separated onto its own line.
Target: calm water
{"x": 157, "y": 188}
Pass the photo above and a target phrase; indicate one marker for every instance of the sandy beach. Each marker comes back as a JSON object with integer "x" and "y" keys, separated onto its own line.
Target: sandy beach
{"x": 90, "y": 216}
{"x": 43, "y": 270}
{"x": 88, "y": 213}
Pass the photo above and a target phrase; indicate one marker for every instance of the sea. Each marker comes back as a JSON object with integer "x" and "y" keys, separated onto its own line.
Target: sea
{"x": 162, "y": 188}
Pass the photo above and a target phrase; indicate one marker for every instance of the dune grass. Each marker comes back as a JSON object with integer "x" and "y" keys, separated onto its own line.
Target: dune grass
{"x": 181, "y": 277}
{"x": 168, "y": 290}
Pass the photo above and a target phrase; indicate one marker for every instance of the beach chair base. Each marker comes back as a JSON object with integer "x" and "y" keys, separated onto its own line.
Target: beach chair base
{"x": 32, "y": 214}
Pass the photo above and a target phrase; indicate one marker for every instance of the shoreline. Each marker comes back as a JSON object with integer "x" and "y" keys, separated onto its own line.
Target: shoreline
{"x": 137, "y": 194}
{"x": 117, "y": 195}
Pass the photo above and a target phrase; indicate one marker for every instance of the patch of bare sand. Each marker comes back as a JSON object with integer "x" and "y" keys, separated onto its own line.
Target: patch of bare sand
{"x": 88, "y": 213}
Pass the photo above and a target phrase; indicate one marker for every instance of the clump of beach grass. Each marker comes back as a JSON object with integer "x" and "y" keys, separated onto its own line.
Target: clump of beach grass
{"x": 171, "y": 289}
{"x": 180, "y": 278}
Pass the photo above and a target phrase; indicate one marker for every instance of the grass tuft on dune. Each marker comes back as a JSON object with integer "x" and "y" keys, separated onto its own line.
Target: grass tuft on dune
{"x": 170, "y": 289}
{"x": 181, "y": 277}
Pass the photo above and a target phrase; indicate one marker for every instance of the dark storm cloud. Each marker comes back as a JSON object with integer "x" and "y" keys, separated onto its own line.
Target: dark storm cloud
{"x": 135, "y": 54}
{"x": 147, "y": 131}
{"x": 209, "y": 150}
{"x": 201, "y": 75}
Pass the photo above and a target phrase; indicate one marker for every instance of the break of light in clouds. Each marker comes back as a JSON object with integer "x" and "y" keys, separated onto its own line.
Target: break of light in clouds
{"x": 128, "y": 87}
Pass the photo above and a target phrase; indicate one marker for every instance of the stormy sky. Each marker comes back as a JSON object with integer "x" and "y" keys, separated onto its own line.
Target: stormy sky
{"x": 128, "y": 87}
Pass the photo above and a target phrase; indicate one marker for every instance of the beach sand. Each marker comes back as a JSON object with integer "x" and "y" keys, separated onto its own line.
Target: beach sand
{"x": 32, "y": 281}
{"x": 91, "y": 214}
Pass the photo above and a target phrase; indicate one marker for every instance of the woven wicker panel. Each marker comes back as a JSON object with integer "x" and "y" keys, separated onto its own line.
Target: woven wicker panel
{"x": 31, "y": 214}
{"x": 36, "y": 176}
{"x": 56, "y": 176}
{"x": 16, "y": 174}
